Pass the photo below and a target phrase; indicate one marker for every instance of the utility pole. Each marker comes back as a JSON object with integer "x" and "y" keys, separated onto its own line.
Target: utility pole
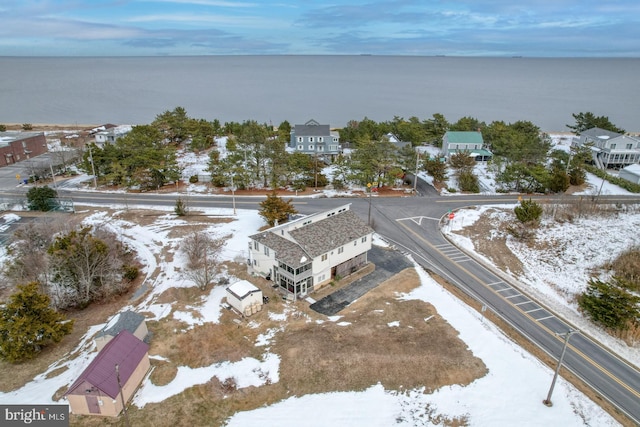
{"x": 124, "y": 405}
{"x": 415, "y": 178}
{"x": 233, "y": 195}
{"x": 93, "y": 169}
{"x": 567, "y": 334}
{"x": 369, "y": 217}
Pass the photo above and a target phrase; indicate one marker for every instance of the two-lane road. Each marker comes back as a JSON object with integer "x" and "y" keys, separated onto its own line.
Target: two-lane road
{"x": 413, "y": 225}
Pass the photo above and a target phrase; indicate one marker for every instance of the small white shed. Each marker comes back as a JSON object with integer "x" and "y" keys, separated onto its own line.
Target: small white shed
{"x": 631, "y": 173}
{"x": 245, "y": 297}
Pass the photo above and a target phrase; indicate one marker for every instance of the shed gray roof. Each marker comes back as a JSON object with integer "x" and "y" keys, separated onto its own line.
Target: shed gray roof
{"x": 317, "y": 238}
{"x": 127, "y": 320}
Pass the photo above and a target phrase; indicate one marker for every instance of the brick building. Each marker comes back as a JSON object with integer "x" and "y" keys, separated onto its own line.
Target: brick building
{"x": 18, "y": 146}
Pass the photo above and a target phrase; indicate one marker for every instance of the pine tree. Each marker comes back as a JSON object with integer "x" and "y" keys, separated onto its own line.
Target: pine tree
{"x": 28, "y": 323}
{"x": 274, "y": 208}
{"x": 610, "y": 305}
{"x": 528, "y": 212}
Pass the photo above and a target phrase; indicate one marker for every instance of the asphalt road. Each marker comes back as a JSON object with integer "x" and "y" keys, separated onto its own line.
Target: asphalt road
{"x": 412, "y": 224}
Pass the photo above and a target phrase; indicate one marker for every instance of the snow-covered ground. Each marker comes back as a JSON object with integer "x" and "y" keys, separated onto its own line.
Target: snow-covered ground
{"x": 510, "y": 394}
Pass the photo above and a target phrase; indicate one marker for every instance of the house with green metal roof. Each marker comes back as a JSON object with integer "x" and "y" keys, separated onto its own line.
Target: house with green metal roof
{"x": 468, "y": 141}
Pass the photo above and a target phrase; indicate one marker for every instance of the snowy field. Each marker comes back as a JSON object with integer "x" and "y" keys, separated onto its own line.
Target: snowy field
{"x": 510, "y": 394}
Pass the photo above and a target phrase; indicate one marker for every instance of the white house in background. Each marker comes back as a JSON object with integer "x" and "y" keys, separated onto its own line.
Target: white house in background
{"x": 302, "y": 255}
{"x": 245, "y": 297}
{"x": 631, "y": 173}
{"x": 109, "y": 136}
{"x": 465, "y": 141}
{"x": 610, "y": 149}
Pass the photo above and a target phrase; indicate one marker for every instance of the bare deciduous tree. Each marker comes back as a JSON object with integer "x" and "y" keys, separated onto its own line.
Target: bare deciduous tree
{"x": 202, "y": 251}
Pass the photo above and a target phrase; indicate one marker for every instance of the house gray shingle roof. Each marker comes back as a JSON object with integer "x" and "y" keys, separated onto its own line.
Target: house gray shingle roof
{"x": 316, "y": 238}
{"x": 312, "y": 128}
{"x": 599, "y": 133}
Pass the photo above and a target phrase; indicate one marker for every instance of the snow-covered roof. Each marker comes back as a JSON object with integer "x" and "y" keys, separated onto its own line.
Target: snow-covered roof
{"x": 242, "y": 289}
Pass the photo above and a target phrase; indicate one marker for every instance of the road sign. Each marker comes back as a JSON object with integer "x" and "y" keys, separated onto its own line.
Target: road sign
{"x": 18, "y": 176}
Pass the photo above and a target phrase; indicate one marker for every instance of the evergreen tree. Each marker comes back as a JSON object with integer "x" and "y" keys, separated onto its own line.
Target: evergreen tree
{"x": 588, "y": 120}
{"x": 274, "y": 208}
{"x": 610, "y": 305}
{"x": 28, "y": 323}
{"x": 528, "y": 212}
{"x": 41, "y": 198}
{"x": 436, "y": 168}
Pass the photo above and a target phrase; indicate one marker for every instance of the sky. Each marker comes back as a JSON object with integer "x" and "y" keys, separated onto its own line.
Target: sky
{"x": 540, "y": 28}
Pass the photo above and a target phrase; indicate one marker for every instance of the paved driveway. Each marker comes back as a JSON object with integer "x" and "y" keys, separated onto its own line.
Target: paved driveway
{"x": 388, "y": 263}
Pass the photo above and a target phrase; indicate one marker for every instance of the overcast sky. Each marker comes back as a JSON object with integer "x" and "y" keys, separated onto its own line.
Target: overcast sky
{"x": 551, "y": 28}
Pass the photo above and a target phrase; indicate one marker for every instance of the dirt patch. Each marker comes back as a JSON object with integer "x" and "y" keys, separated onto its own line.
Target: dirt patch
{"x": 489, "y": 237}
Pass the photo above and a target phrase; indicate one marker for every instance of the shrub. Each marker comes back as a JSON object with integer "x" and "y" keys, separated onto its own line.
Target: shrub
{"x": 468, "y": 181}
{"x": 610, "y": 305}
{"x": 528, "y": 212}
{"x": 193, "y": 179}
{"x": 41, "y": 198}
{"x": 27, "y": 126}
{"x": 3, "y": 128}
{"x": 130, "y": 272}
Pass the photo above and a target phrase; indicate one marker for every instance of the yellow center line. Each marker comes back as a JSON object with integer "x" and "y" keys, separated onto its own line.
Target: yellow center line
{"x": 545, "y": 328}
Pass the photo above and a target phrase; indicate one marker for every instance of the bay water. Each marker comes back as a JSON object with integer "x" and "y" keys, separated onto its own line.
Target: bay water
{"x": 329, "y": 89}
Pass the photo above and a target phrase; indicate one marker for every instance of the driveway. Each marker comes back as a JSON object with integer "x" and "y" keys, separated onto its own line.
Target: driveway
{"x": 388, "y": 263}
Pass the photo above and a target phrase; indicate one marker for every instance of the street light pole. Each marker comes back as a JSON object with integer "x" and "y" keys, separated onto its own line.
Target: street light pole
{"x": 369, "y": 217}
{"x": 415, "y": 178}
{"x": 567, "y": 334}
{"x": 233, "y": 195}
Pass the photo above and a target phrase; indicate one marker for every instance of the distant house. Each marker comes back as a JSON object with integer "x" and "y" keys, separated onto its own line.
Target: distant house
{"x": 18, "y": 146}
{"x": 245, "y": 297}
{"x": 397, "y": 142}
{"x": 125, "y": 321}
{"x": 315, "y": 139}
{"x": 610, "y": 149}
{"x": 304, "y": 254}
{"x": 113, "y": 376}
{"x": 111, "y": 135}
{"x": 467, "y": 141}
{"x": 631, "y": 173}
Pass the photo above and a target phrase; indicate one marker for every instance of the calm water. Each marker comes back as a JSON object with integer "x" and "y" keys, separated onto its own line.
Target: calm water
{"x": 330, "y": 89}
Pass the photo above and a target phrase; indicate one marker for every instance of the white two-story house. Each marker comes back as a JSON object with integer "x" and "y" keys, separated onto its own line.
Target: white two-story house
{"x": 315, "y": 139}
{"x": 610, "y": 149}
{"x": 303, "y": 255}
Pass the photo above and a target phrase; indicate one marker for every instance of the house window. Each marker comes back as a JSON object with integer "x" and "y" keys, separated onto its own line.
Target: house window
{"x": 324, "y": 257}
{"x": 300, "y": 139}
{"x": 266, "y": 251}
{"x": 364, "y": 239}
{"x": 355, "y": 242}
{"x": 311, "y": 147}
{"x": 300, "y": 147}
{"x": 320, "y": 139}
{"x": 341, "y": 249}
{"x": 310, "y": 139}
{"x": 629, "y": 146}
{"x": 256, "y": 246}
{"x": 335, "y": 139}
{"x": 320, "y": 147}
{"x": 613, "y": 146}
